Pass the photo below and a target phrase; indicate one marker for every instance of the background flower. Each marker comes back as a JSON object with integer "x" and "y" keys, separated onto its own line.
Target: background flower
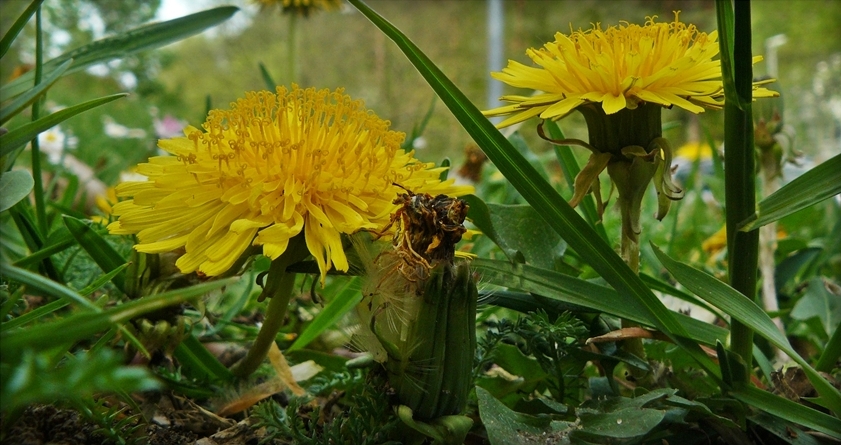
{"x": 661, "y": 63}
{"x": 271, "y": 167}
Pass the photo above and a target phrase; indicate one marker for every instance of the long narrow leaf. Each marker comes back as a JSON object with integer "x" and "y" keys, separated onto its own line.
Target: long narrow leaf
{"x": 16, "y": 28}
{"x": 748, "y": 313}
{"x": 788, "y": 410}
{"x": 140, "y": 39}
{"x": 39, "y": 285}
{"x": 100, "y": 251}
{"x": 344, "y": 300}
{"x": 26, "y": 99}
{"x": 84, "y": 325}
{"x": 26, "y": 133}
{"x": 199, "y": 362}
{"x": 812, "y": 187}
{"x": 561, "y": 287}
{"x": 542, "y": 196}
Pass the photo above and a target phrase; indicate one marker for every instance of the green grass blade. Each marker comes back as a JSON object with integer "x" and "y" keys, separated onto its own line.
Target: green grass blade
{"x": 26, "y": 99}
{"x": 666, "y": 288}
{"x": 199, "y": 362}
{"x": 58, "y": 246}
{"x": 100, "y": 251}
{"x": 343, "y": 302}
{"x": 40, "y": 285}
{"x": 271, "y": 85}
{"x": 140, "y": 39}
{"x": 735, "y": 304}
{"x": 726, "y": 29}
{"x": 812, "y": 187}
{"x": 16, "y": 28}
{"x": 788, "y": 410}
{"x": 25, "y": 133}
{"x": 542, "y": 196}
{"x": 85, "y": 325}
{"x": 831, "y": 352}
{"x": 560, "y": 287}
{"x": 34, "y": 315}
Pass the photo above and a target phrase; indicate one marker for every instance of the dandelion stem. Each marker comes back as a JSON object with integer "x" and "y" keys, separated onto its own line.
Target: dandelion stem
{"x": 278, "y": 288}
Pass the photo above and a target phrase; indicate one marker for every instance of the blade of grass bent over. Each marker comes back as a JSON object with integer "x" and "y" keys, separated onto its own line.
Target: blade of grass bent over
{"x": 542, "y": 196}
{"x": 733, "y": 303}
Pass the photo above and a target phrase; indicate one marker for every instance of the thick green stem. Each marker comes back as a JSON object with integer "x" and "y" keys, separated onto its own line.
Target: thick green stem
{"x": 740, "y": 179}
{"x": 279, "y": 285}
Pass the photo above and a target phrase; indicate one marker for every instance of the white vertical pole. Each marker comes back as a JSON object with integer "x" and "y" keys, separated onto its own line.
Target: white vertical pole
{"x": 495, "y": 50}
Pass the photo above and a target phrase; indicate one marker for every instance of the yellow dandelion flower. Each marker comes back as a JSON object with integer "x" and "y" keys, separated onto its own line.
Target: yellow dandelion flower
{"x": 620, "y": 67}
{"x": 302, "y": 7}
{"x": 269, "y": 168}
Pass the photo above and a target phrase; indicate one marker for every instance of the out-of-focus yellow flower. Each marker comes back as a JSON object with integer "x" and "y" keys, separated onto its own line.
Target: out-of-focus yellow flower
{"x": 302, "y": 7}
{"x": 269, "y": 168}
{"x": 619, "y": 67}
{"x": 694, "y": 151}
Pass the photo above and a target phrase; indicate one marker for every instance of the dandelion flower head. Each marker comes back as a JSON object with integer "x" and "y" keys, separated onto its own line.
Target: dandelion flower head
{"x": 620, "y": 67}
{"x": 269, "y": 168}
{"x": 302, "y": 7}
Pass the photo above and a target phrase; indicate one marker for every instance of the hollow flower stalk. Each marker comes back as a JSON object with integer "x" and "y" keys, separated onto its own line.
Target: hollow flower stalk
{"x": 271, "y": 167}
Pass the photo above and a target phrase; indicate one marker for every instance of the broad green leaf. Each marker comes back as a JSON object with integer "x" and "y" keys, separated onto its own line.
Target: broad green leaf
{"x": 26, "y": 99}
{"x": 14, "y": 186}
{"x": 559, "y": 287}
{"x": 788, "y": 410}
{"x": 83, "y": 325}
{"x": 100, "y": 251}
{"x": 620, "y": 424}
{"x": 16, "y": 28}
{"x": 25, "y": 133}
{"x": 506, "y": 427}
{"x": 343, "y": 302}
{"x": 518, "y": 230}
{"x": 146, "y": 37}
{"x": 747, "y": 312}
{"x": 542, "y": 196}
{"x": 812, "y": 187}
{"x": 819, "y": 302}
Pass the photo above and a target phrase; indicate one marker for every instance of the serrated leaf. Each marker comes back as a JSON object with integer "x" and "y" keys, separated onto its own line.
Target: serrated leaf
{"x": 506, "y": 427}
{"x": 14, "y": 186}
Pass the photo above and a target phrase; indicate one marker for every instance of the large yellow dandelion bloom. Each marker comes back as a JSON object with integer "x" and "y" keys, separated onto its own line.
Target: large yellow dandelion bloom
{"x": 620, "y": 67}
{"x": 271, "y": 167}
